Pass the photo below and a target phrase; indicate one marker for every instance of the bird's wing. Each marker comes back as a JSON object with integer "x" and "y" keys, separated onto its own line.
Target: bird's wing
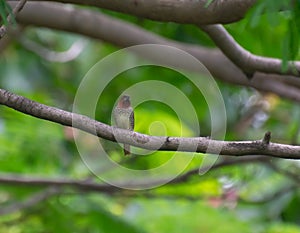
{"x": 131, "y": 119}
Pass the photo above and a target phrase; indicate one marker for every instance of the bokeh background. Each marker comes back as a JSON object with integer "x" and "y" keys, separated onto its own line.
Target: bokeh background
{"x": 249, "y": 194}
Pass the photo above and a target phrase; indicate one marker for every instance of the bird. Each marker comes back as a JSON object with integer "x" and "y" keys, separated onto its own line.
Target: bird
{"x": 124, "y": 117}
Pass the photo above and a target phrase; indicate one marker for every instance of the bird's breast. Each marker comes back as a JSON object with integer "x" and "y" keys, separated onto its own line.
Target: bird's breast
{"x": 122, "y": 118}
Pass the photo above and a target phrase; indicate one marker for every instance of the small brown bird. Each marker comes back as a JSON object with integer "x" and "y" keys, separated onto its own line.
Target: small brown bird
{"x": 124, "y": 117}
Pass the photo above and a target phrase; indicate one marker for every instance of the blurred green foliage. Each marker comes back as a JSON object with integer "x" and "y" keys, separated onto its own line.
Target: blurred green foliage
{"x": 34, "y": 147}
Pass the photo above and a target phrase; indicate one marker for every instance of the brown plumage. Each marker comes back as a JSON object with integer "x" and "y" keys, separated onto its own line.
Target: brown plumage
{"x": 124, "y": 117}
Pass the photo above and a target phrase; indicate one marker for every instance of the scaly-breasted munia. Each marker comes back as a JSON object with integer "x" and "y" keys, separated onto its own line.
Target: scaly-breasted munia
{"x": 124, "y": 117}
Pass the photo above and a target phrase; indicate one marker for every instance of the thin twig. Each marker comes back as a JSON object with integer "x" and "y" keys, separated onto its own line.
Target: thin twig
{"x": 226, "y": 162}
{"x": 83, "y": 185}
{"x": 90, "y": 185}
{"x": 17, "y": 8}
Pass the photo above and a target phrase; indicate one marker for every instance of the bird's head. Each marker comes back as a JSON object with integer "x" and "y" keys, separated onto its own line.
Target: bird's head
{"x": 124, "y": 101}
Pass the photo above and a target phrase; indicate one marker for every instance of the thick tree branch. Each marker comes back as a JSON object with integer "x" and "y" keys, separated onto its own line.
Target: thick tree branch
{"x": 109, "y": 29}
{"x": 180, "y": 11}
{"x": 193, "y": 144}
{"x": 248, "y": 62}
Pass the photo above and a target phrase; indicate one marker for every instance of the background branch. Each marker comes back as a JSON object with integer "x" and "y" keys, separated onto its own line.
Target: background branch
{"x": 30, "y": 201}
{"x": 110, "y": 30}
{"x": 83, "y": 185}
{"x": 256, "y": 174}
{"x": 289, "y": 174}
{"x": 247, "y": 61}
{"x": 223, "y": 163}
{"x": 271, "y": 197}
{"x": 89, "y": 185}
{"x": 70, "y": 54}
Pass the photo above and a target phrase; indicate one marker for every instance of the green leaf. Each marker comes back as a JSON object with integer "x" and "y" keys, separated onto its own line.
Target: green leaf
{"x": 294, "y": 40}
{"x": 9, "y": 10}
{"x": 290, "y": 44}
{"x": 3, "y": 11}
{"x": 208, "y": 3}
{"x": 285, "y": 52}
{"x": 255, "y": 17}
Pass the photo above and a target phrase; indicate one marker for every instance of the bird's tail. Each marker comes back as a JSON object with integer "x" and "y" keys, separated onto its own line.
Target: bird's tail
{"x": 126, "y": 149}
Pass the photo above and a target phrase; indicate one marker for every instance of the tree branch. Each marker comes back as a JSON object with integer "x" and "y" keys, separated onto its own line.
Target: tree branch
{"x": 109, "y": 29}
{"x": 247, "y": 61}
{"x": 55, "y": 186}
{"x": 183, "y": 11}
{"x": 70, "y": 54}
{"x": 192, "y": 144}
{"x": 89, "y": 185}
{"x": 83, "y": 185}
